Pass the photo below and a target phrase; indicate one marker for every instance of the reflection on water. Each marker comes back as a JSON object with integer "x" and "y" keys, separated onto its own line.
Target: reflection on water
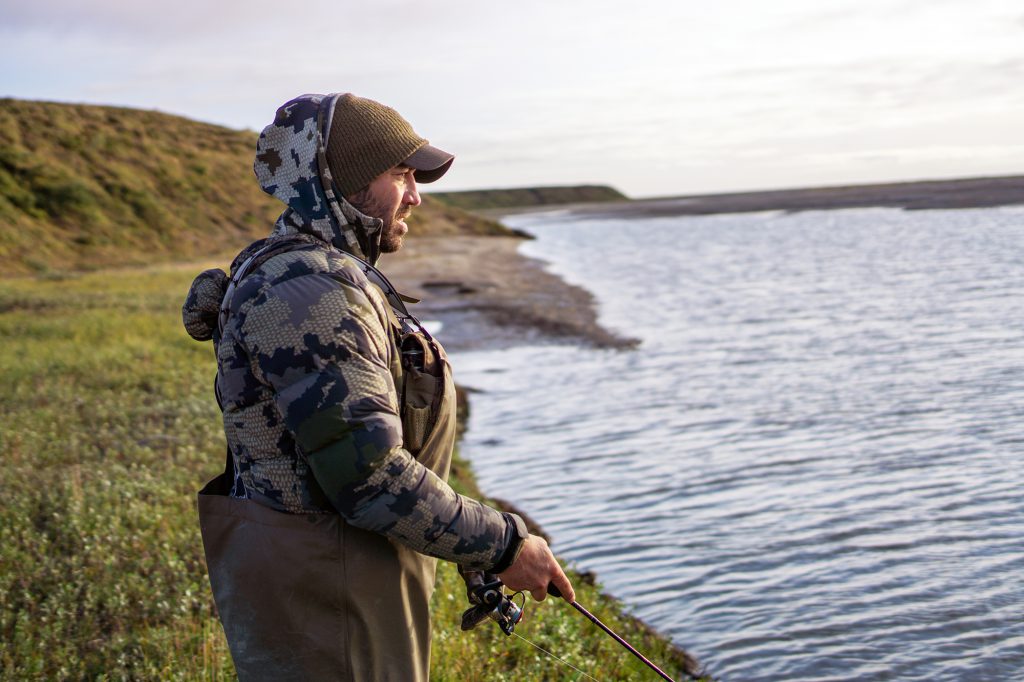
{"x": 811, "y": 468}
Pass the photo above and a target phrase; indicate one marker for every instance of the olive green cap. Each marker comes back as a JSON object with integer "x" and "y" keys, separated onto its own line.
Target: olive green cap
{"x": 367, "y": 138}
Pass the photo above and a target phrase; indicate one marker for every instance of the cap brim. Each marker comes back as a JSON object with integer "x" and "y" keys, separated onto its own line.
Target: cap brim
{"x": 430, "y": 163}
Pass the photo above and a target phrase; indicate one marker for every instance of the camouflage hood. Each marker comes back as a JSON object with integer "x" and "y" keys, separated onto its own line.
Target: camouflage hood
{"x": 291, "y": 165}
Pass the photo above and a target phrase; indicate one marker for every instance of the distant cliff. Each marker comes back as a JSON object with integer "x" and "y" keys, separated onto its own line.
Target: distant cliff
{"x": 526, "y": 197}
{"x": 85, "y": 187}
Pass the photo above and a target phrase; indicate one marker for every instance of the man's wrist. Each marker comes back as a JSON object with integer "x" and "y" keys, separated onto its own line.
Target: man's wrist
{"x": 516, "y": 527}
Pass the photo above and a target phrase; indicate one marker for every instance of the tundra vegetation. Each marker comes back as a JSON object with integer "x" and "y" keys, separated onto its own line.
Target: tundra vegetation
{"x": 108, "y": 430}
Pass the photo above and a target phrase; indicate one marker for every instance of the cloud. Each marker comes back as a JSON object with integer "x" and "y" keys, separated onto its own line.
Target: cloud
{"x": 551, "y": 88}
{"x": 143, "y": 20}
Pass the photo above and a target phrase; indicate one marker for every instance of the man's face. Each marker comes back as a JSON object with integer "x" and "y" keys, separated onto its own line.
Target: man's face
{"x": 390, "y": 196}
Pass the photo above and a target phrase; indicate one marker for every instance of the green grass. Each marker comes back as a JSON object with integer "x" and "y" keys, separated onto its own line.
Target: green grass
{"x": 108, "y": 427}
{"x": 106, "y": 430}
{"x": 85, "y": 187}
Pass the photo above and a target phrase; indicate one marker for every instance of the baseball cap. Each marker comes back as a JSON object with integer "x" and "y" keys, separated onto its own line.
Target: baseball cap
{"x": 429, "y": 163}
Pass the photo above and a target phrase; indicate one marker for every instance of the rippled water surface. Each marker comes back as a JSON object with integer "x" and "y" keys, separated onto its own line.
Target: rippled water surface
{"x": 811, "y": 466}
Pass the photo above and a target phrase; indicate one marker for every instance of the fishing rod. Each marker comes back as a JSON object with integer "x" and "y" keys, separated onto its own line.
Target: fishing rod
{"x": 552, "y": 590}
{"x": 491, "y": 602}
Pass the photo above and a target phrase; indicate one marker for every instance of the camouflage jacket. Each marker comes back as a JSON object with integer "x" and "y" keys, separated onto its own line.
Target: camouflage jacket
{"x": 306, "y": 364}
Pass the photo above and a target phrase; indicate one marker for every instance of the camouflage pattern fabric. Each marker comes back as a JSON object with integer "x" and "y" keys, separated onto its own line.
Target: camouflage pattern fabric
{"x": 308, "y": 362}
{"x": 199, "y": 314}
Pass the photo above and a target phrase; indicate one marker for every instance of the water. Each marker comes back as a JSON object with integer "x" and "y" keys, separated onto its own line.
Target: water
{"x": 810, "y": 469}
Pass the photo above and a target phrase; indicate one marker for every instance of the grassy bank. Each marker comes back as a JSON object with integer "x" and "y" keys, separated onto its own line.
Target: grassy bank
{"x": 107, "y": 428}
{"x": 529, "y": 197}
{"x": 84, "y": 187}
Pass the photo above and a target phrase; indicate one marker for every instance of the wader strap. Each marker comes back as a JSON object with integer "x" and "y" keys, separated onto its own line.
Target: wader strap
{"x": 225, "y": 483}
{"x": 272, "y": 249}
{"x": 228, "y": 483}
{"x": 395, "y": 299}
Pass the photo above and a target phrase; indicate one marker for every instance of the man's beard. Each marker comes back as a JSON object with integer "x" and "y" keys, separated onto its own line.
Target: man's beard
{"x": 391, "y": 232}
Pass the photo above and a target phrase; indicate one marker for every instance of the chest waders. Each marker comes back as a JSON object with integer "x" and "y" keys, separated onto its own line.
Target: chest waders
{"x": 311, "y": 597}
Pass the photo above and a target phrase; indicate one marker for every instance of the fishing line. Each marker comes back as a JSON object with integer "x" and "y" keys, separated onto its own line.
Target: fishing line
{"x": 552, "y": 590}
{"x": 555, "y": 657}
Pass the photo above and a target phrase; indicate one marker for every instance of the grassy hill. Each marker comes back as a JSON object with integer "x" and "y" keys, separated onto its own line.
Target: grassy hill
{"x": 526, "y": 197}
{"x": 86, "y": 187}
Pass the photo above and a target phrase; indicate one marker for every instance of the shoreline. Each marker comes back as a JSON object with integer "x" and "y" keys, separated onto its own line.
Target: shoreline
{"x": 911, "y": 196}
{"x": 487, "y": 295}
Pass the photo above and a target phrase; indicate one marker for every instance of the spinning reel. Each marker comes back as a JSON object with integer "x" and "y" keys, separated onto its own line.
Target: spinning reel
{"x": 487, "y": 594}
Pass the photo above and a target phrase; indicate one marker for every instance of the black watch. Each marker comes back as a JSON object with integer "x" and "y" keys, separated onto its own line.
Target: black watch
{"x": 515, "y": 546}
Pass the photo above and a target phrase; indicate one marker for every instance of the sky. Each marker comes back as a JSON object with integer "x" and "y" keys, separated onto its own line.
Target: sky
{"x": 654, "y": 97}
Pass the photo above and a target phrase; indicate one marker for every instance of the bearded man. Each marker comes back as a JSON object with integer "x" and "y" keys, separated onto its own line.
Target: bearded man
{"x": 323, "y": 532}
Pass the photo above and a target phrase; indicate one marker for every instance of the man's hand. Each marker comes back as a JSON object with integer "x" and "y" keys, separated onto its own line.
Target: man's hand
{"x": 534, "y": 568}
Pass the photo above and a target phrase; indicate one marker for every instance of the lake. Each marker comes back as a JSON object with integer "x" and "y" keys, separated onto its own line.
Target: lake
{"x": 810, "y": 467}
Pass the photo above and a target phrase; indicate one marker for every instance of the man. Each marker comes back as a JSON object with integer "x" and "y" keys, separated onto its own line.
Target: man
{"x": 339, "y": 414}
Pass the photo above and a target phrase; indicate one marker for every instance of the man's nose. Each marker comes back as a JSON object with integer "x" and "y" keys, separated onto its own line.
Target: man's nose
{"x": 412, "y": 193}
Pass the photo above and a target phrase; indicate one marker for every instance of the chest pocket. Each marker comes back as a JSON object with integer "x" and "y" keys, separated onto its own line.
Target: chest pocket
{"x": 421, "y": 389}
